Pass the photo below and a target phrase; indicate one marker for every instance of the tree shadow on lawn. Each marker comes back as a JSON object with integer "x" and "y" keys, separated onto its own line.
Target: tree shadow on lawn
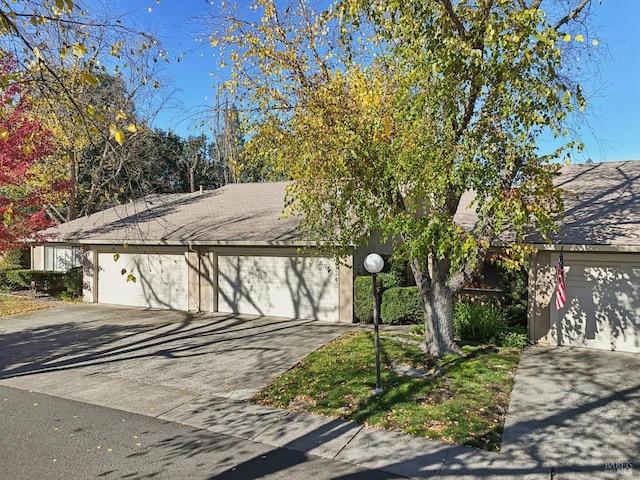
{"x": 387, "y": 452}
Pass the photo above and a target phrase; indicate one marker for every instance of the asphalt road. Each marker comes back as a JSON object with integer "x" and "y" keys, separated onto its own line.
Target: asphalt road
{"x": 46, "y": 437}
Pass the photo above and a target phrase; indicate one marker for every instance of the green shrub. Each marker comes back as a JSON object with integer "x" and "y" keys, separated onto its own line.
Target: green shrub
{"x": 401, "y": 306}
{"x": 398, "y": 269}
{"x": 417, "y": 329}
{"x": 362, "y": 295}
{"x": 479, "y": 322}
{"x": 362, "y": 299}
{"x": 73, "y": 281}
{"x": 16, "y": 257}
{"x": 514, "y": 284}
{"x": 49, "y": 282}
{"x": 4, "y": 268}
{"x": 514, "y": 339}
{"x": 390, "y": 280}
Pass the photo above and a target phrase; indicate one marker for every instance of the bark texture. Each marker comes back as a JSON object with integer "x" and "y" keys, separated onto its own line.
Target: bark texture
{"x": 437, "y": 297}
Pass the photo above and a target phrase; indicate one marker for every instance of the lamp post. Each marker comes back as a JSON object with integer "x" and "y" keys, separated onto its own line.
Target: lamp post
{"x": 374, "y": 264}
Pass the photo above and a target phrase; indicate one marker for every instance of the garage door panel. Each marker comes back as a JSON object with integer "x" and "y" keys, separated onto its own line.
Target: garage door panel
{"x": 160, "y": 280}
{"x": 296, "y": 287}
{"x": 602, "y": 309}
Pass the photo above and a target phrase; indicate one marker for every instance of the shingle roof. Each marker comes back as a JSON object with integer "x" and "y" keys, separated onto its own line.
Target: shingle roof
{"x": 602, "y": 206}
{"x": 237, "y": 213}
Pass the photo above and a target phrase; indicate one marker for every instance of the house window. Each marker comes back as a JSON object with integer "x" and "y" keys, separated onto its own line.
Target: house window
{"x": 62, "y": 258}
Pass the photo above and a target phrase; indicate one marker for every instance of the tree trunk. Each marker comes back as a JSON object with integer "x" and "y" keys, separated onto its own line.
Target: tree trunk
{"x": 437, "y": 299}
{"x": 192, "y": 172}
{"x": 73, "y": 186}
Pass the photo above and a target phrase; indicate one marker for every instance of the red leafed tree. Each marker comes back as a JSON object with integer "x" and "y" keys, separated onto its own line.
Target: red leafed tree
{"x": 23, "y": 142}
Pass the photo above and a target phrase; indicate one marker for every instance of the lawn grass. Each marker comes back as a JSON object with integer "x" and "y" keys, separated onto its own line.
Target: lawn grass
{"x": 12, "y": 305}
{"x": 464, "y": 402}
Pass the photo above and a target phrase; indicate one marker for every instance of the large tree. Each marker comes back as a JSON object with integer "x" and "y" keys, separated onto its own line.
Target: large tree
{"x": 386, "y": 113}
{"x": 92, "y": 76}
{"x": 24, "y": 141}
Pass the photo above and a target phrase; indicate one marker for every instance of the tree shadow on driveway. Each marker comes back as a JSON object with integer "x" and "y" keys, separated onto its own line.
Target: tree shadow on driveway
{"x": 174, "y": 349}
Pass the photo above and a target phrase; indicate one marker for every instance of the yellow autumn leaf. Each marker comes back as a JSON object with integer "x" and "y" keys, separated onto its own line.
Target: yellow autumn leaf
{"x": 117, "y": 134}
{"x": 123, "y": 271}
{"x": 90, "y": 79}
{"x": 387, "y": 127}
{"x": 567, "y": 38}
{"x": 121, "y": 115}
{"x": 594, "y": 42}
{"x": 4, "y": 135}
{"x": 131, "y": 278}
{"x": 579, "y": 38}
{"x": 79, "y": 50}
{"x": 116, "y": 256}
{"x": 132, "y": 128}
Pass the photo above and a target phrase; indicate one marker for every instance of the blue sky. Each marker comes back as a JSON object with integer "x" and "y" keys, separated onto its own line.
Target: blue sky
{"x": 611, "y": 131}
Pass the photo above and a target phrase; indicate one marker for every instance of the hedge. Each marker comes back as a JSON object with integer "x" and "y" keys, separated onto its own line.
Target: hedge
{"x": 73, "y": 281}
{"x": 49, "y": 282}
{"x": 401, "y": 306}
{"x": 362, "y": 299}
{"x": 4, "y": 268}
{"x": 362, "y": 295}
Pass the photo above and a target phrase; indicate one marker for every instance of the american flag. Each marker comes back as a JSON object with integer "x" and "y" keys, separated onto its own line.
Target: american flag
{"x": 561, "y": 289}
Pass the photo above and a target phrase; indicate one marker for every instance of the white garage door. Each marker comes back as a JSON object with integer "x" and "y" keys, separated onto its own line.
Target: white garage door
{"x": 295, "y": 287}
{"x": 160, "y": 280}
{"x": 602, "y": 309}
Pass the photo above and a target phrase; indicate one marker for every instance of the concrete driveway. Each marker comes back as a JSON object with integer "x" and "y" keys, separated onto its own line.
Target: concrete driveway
{"x": 574, "y": 413}
{"x": 225, "y": 355}
{"x": 577, "y": 410}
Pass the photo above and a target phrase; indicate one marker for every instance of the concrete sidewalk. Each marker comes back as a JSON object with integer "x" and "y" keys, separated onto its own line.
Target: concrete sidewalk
{"x": 574, "y": 413}
{"x": 350, "y": 442}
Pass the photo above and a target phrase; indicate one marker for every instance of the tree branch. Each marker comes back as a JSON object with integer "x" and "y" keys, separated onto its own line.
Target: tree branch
{"x": 572, "y": 14}
{"x": 454, "y": 18}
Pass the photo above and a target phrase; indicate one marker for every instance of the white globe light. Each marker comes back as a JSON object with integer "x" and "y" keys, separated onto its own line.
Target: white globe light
{"x": 373, "y": 263}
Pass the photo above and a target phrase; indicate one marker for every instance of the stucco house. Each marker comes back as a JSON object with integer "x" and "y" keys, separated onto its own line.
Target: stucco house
{"x": 226, "y": 250}
{"x": 599, "y": 239}
{"x": 230, "y": 250}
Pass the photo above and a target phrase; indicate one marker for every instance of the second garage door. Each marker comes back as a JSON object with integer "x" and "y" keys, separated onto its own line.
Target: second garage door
{"x": 602, "y": 309}
{"x": 295, "y": 287}
{"x": 161, "y": 280}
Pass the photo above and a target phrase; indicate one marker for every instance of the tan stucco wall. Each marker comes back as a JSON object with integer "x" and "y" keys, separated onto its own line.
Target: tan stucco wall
{"x": 541, "y": 288}
{"x": 346, "y": 292}
{"x": 200, "y": 280}
{"x": 89, "y": 276}
{"x": 37, "y": 257}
